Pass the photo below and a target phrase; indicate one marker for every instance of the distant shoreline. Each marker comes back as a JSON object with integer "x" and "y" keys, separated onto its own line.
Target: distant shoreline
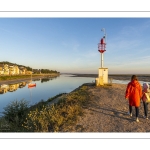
{"x": 141, "y": 77}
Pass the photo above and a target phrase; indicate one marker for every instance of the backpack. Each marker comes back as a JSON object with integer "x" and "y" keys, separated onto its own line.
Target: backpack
{"x": 147, "y": 97}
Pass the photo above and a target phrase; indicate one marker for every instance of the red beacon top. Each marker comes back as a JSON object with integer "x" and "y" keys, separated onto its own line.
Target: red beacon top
{"x": 102, "y": 46}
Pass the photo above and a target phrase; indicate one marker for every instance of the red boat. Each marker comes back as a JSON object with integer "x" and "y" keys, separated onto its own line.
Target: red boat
{"x": 31, "y": 85}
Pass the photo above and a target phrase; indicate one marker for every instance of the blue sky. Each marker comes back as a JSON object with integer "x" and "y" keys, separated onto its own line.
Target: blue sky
{"x": 70, "y": 45}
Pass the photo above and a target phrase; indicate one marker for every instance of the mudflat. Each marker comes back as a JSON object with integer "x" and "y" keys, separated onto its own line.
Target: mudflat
{"x": 141, "y": 77}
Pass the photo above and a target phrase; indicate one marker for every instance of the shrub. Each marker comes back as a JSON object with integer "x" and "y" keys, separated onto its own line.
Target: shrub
{"x": 15, "y": 114}
{"x": 47, "y": 119}
{"x": 57, "y": 117}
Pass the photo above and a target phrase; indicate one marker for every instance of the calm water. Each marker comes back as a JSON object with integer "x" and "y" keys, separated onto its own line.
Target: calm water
{"x": 45, "y": 89}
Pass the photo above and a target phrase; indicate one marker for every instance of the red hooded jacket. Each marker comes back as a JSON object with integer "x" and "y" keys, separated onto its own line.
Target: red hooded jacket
{"x": 134, "y": 93}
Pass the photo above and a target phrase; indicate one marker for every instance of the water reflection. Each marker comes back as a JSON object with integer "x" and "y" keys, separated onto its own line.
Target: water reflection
{"x": 22, "y": 84}
{"x": 4, "y": 88}
{"x": 36, "y": 79}
{"x": 46, "y": 79}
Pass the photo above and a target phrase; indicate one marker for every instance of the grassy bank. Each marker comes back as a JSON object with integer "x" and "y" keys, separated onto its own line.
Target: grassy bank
{"x": 3, "y": 78}
{"x": 42, "y": 117}
{"x": 14, "y": 77}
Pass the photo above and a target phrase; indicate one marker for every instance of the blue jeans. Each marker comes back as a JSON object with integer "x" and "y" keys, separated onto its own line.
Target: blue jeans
{"x": 136, "y": 110}
{"x": 145, "y": 108}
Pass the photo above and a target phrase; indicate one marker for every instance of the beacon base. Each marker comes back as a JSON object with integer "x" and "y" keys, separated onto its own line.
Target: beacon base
{"x": 102, "y": 77}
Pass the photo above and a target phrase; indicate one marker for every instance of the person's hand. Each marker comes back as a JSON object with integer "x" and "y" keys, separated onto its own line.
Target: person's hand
{"x": 126, "y": 98}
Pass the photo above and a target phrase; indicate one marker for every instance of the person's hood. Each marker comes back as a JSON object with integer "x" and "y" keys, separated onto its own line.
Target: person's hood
{"x": 145, "y": 86}
{"x": 134, "y": 83}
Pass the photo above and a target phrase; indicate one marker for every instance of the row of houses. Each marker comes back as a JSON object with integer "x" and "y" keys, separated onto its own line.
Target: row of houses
{"x": 6, "y": 69}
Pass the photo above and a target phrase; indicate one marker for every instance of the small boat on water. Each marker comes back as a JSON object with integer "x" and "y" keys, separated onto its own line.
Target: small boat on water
{"x": 4, "y": 86}
{"x": 31, "y": 85}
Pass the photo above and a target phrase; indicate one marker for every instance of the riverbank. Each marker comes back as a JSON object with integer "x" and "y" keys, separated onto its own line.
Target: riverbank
{"x": 45, "y": 116}
{"x": 106, "y": 111}
{"x": 28, "y": 79}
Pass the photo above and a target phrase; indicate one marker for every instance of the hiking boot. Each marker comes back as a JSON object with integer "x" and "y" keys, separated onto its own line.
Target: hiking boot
{"x": 137, "y": 120}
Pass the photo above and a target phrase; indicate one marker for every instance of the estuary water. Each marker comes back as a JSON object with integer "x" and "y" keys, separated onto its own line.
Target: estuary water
{"x": 45, "y": 89}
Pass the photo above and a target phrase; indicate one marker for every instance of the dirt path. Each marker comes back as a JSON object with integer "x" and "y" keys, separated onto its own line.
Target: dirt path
{"x": 107, "y": 112}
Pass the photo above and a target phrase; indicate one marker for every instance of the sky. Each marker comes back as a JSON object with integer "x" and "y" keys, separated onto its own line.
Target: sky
{"x": 70, "y": 45}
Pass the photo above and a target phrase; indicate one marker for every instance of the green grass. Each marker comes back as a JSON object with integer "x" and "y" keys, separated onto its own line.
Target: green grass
{"x": 2, "y": 78}
{"x": 13, "y": 77}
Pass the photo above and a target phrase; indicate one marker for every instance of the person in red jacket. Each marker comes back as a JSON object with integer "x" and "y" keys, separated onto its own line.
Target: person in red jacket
{"x": 134, "y": 94}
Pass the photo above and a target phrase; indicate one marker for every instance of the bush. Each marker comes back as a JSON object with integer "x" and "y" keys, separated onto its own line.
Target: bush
{"x": 15, "y": 114}
{"x": 57, "y": 117}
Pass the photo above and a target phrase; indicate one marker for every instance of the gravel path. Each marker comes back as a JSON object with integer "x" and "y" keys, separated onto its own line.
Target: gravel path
{"x": 107, "y": 112}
